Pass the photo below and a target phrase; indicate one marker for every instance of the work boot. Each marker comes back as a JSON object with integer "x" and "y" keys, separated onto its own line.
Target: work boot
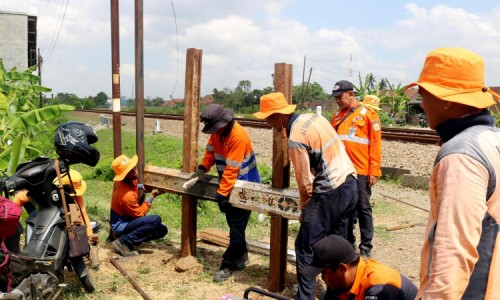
{"x": 223, "y": 274}
{"x": 364, "y": 251}
{"x": 123, "y": 249}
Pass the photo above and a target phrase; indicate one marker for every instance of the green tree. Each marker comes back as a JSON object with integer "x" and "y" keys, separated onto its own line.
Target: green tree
{"x": 20, "y": 117}
{"x": 101, "y": 100}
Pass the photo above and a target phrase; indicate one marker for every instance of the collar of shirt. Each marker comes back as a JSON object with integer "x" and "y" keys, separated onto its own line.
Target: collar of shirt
{"x": 450, "y": 128}
{"x": 290, "y": 122}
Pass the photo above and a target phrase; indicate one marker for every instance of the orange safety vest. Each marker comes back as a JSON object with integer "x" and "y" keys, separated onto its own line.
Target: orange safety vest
{"x": 362, "y": 136}
{"x": 233, "y": 156}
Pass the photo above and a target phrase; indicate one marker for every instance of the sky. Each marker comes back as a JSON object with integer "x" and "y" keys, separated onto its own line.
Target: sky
{"x": 243, "y": 40}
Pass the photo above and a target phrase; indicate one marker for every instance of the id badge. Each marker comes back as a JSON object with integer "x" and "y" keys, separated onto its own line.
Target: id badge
{"x": 352, "y": 132}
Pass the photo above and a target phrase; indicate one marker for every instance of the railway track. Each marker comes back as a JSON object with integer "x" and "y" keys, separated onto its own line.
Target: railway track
{"x": 409, "y": 135}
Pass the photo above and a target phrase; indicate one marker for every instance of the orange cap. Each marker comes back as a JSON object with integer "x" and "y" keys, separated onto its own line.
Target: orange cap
{"x": 274, "y": 103}
{"x": 122, "y": 165}
{"x": 372, "y": 101}
{"x": 455, "y": 75}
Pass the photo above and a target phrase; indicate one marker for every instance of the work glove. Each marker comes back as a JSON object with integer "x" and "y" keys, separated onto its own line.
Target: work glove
{"x": 198, "y": 174}
{"x": 152, "y": 196}
{"x": 223, "y": 202}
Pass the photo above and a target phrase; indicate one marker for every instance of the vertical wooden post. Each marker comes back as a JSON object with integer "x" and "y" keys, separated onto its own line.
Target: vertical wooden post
{"x": 190, "y": 147}
{"x": 281, "y": 179}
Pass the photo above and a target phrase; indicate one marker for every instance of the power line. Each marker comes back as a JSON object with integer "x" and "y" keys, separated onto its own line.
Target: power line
{"x": 177, "y": 42}
{"x": 58, "y": 31}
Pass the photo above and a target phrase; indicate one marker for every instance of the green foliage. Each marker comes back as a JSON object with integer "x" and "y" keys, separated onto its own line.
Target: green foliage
{"x": 386, "y": 119}
{"x": 20, "y": 117}
{"x": 495, "y": 112}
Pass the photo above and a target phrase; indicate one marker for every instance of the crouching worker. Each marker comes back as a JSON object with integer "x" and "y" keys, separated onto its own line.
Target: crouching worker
{"x": 129, "y": 222}
{"x": 348, "y": 276}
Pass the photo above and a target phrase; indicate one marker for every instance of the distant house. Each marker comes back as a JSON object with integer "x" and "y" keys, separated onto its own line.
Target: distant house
{"x": 208, "y": 99}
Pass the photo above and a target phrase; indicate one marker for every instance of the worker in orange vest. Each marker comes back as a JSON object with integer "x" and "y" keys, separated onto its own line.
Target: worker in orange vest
{"x": 358, "y": 126}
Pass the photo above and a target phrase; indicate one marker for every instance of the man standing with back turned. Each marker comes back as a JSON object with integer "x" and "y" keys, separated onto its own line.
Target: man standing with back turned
{"x": 359, "y": 128}
{"x": 461, "y": 253}
{"x": 325, "y": 178}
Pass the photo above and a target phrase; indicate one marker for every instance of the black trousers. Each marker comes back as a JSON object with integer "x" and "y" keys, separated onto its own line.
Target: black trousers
{"x": 325, "y": 214}
{"x": 363, "y": 214}
{"x": 237, "y": 252}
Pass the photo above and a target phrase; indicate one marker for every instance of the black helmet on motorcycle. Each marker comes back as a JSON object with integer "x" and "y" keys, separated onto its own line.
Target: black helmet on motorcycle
{"x": 73, "y": 142}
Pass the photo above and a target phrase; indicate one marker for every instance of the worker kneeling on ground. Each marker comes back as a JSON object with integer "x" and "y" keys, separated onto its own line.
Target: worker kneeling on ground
{"x": 129, "y": 223}
{"x": 348, "y": 276}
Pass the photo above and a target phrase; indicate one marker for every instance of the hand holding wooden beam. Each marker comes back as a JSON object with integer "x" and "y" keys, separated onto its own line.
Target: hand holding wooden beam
{"x": 188, "y": 184}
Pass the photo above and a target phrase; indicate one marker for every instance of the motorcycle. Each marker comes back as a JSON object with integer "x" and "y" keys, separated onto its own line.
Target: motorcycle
{"x": 38, "y": 270}
{"x": 422, "y": 120}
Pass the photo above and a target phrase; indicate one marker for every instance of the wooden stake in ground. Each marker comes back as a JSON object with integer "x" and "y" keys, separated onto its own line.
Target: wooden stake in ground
{"x": 404, "y": 202}
{"x": 404, "y": 226}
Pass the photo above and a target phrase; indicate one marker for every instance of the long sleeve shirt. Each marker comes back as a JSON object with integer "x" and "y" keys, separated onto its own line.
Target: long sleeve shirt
{"x": 461, "y": 254}
{"x": 318, "y": 155}
{"x": 233, "y": 156}
{"x": 362, "y": 136}
{"x": 125, "y": 205}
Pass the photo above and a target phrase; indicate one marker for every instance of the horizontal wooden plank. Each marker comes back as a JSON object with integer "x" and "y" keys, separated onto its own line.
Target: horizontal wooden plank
{"x": 262, "y": 198}
{"x": 171, "y": 181}
{"x": 221, "y": 238}
{"x": 247, "y": 195}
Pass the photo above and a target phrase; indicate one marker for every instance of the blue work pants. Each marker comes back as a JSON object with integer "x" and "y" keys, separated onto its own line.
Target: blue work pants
{"x": 143, "y": 229}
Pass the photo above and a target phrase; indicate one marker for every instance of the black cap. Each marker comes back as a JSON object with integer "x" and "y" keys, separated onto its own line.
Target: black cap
{"x": 215, "y": 117}
{"x": 331, "y": 250}
{"x": 341, "y": 87}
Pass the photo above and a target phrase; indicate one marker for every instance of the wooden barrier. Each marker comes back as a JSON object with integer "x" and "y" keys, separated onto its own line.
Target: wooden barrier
{"x": 247, "y": 195}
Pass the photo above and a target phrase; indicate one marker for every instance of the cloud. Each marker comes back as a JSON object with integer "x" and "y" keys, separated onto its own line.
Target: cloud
{"x": 243, "y": 40}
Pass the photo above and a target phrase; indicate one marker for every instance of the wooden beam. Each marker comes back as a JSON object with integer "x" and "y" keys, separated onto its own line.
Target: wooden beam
{"x": 247, "y": 195}
{"x": 190, "y": 147}
{"x": 281, "y": 179}
{"x": 262, "y": 198}
{"x": 221, "y": 238}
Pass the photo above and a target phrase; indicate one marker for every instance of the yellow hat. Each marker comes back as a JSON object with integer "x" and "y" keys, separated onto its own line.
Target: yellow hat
{"x": 456, "y": 75}
{"x": 122, "y": 165}
{"x": 274, "y": 103}
{"x": 79, "y": 185}
{"x": 372, "y": 101}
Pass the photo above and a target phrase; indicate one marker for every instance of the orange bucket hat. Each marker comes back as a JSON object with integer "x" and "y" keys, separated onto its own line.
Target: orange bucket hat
{"x": 79, "y": 185}
{"x": 456, "y": 75}
{"x": 122, "y": 165}
{"x": 274, "y": 103}
{"x": 372, "y": 101}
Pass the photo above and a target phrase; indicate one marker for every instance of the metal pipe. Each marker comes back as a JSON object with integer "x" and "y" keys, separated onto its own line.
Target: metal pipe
{"x": 139, "y": 87}
{"x": 115, "y": 69}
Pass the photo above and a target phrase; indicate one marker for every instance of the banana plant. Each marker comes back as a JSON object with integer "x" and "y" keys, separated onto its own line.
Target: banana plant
{"x": 20, "y": 117}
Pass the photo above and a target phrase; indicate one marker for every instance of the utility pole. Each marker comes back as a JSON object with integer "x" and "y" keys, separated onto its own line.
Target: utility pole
{"x": 308, "y": 79}
{"x": 115, "y": 69}
{"x": 139, "y": 87}
{"x": 40, "y": 61}
{"x": 303, "y": 74}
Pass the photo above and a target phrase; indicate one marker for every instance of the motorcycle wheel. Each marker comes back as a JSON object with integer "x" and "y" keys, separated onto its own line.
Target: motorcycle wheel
{"x": 83, "y": 274}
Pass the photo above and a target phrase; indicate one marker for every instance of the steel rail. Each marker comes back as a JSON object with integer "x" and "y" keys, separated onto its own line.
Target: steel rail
{"x": 409, "y": 135}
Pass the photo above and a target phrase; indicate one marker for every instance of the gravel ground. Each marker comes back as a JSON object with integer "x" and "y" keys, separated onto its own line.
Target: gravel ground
{"x": 416, "y": 157}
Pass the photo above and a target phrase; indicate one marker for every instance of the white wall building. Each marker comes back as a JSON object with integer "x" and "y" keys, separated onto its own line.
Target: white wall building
{"x": 17, "y": 40}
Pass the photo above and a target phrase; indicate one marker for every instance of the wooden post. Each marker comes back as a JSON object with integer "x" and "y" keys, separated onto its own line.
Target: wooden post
{"x": 281, "y": 179}
{"x": 190, "y": 147}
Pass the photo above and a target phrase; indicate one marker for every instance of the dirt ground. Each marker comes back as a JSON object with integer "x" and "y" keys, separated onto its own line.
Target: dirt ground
{"x": 154, "y": 271}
